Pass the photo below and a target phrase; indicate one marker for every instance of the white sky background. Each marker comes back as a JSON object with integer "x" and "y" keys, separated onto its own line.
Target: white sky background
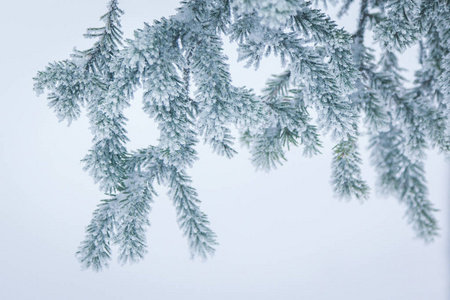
{"x": 282, "y": 235}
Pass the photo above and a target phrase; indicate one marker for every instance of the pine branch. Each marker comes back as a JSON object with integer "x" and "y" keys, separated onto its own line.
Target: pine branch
{"x": 287, "y": 122}
{"x": 405, "y": 179}
{"x": 346, "y": 171}
{"x": 193, "y": 222}
{"x": 210, "y": 73}
{"x": 165, "y": 96}
{"x": 366, "y": 98}
{"x": 399, "y": 29}
{"x": 306, "y": 69}
{"x": 67, "y": 87}
{"x": 109, "y": 39}
{"x": 267, "y": 149}
{"x": 336, "y": 41}
{"x": 277, "y": 86}
{"x": 326, "y": 69}
{"x": 132, "y": 217}
{"x": 95, "y": 251}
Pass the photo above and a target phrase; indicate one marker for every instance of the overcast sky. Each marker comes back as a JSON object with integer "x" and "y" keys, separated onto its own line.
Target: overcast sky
{"x": 282, "y": 235}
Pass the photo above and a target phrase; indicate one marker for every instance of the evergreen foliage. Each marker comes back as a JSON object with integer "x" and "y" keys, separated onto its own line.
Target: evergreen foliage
{"x": 180, "y": 65}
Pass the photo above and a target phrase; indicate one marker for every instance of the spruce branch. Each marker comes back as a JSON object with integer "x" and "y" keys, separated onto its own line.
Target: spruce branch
{"x": 193, "y": 222}
{"x": 180, "y": 64}
{"x": 95, "y": 250}
{"x": 67, "y": 88}
{"x": 346, "y": 171}
{"x": 399, "y": 29}
{"x": 132, "y": 217}
{"x": 399, "y": 175}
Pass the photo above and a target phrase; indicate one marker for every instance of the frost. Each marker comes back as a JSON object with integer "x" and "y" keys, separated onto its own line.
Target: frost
{"x": 329, "y": 73}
